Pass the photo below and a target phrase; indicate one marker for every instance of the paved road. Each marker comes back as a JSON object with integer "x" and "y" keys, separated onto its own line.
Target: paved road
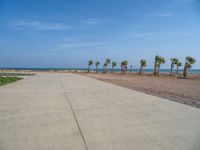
{"x": 71, "y": 112}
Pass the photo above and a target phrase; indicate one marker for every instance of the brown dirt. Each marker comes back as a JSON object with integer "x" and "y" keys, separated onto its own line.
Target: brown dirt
{"x": 186, "y": 91}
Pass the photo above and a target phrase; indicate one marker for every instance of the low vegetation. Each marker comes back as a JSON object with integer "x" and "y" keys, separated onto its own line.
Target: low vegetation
{"x": 15, "y": 74}
{"x": 113, "y": 65}
{"x": 90, "y": 62}
{"x": 124, "y": 66}
{"x": 97, "y": 63}
{"x": 189, "y": 61}
{"x": 6, "y": 80}
{"x": 143, "y": 63}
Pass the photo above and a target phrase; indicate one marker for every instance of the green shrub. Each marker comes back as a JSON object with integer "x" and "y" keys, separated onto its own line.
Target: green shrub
{"x": 6, "y": 80}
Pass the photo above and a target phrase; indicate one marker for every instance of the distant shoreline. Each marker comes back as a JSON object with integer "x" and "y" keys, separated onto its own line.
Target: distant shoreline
{"x": 192, "y": 71}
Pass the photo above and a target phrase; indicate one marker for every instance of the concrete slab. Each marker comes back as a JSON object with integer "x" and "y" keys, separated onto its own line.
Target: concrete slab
{"x": 34, "y": 117}
{"x": 69, "y": 111}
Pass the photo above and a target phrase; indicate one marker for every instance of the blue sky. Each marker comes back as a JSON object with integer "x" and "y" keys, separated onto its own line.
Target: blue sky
{"x": 67, "y": 33}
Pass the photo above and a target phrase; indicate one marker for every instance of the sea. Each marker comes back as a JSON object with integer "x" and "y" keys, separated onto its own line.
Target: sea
{"x": 192, "y": 71}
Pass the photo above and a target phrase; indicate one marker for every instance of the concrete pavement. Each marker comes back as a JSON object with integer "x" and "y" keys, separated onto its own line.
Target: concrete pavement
{"x": 54, "y": 111}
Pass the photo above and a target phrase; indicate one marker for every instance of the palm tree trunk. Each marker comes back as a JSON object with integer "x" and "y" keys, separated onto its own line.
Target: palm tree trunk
{"x": 171, "y": 69}
{"x": 125, "y": 69}
{"x": 177, "y": 69}
{"x": 88, "y": 68}
{"x": 112, "y": 69}
{"x": 158, "y": 70}
{"x": 185, "y": 71}
{"x": 121, "y": 69}
{"x": 140, "y": 69}
{"x": 155, "y": 68}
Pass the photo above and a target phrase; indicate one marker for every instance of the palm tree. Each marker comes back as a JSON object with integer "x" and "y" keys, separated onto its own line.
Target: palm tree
{"x": 113, "y": 65}
{"x": 143, "y": 63}
{"x": 97, "y": 63}
{"x": 160, "y": 61}
{"x": 179, "y": 64}
{"x": 157, "y": 57}
{"x": 173, "y": 62}
{"x": 124, "y": 66}
{"x": 90, "y": 62}
{"x": 107, "y": 62}
{"x": 188, "y": 64}
{"x": 104, "y": 67}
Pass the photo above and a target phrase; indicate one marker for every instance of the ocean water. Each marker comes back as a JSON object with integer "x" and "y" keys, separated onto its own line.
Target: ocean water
{"x": 192, "y": 71}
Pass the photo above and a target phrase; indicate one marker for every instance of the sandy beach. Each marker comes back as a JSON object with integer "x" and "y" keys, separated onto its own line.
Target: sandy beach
{"x": 186, "y": 91}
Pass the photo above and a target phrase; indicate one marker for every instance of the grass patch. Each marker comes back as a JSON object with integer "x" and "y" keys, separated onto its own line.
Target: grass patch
{"x": 15, "y": 74}
{"x": 6, "y": 80}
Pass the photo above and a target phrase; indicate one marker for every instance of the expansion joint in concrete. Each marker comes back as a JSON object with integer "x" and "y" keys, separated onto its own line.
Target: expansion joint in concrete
{"x": 71, "y": 107}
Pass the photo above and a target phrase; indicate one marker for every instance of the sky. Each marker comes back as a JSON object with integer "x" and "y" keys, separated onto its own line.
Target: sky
{"x": 68, "y": 33}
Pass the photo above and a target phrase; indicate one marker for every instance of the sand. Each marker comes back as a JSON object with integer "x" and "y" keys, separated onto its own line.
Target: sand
{"x": 186, "y": 91}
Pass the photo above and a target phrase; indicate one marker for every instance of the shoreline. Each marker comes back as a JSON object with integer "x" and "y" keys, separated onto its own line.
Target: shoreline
{"x": 82, "y": 70}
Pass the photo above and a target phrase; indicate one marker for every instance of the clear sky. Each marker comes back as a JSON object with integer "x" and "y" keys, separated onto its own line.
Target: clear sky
{"x": 67, "y": 33}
